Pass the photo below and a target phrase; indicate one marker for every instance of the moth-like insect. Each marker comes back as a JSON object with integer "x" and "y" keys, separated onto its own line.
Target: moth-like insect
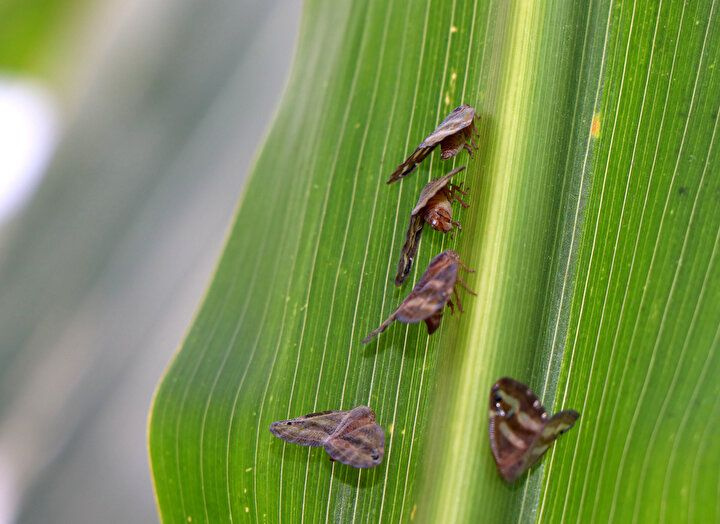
{"x": 520, "y": 429}
{"x": 351, "y": 437}
{"x": 453, "y": 135}
{"x": 431, "y": 294}
{"x": 434, "y": 207}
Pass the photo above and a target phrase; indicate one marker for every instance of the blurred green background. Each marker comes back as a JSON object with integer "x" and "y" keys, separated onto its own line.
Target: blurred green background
{"x": 152, "y": 110}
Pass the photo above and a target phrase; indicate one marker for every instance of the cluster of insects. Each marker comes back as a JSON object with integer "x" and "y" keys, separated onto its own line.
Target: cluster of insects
{"x": 519, "y": 427}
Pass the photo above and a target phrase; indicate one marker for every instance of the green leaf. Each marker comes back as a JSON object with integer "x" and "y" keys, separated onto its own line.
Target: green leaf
{"x": 593, "y": 228}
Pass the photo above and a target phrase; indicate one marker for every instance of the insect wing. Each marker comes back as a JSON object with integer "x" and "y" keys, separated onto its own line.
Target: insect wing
{"x": 409, "y": 249}
{"x": 446, "y": 261}
{"x": 309, "y": 430}
{"x": 520, "y": 432}
{"x": 556, "y": 426}
{"x": 432, "y": 291}
{"x": 375, "y": 332}
{"x": 432, "y": 188}
{"x": 460, "y": 118}
{"x": 411, "y": 163}
{"x": 359, "y": 441}
{"x": 428, "y": 300}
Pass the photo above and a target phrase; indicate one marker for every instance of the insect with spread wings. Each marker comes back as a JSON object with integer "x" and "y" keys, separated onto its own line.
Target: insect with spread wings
{"x": 350, "y": 437}
{"x": 520, "y": 429}
{"x": 434, "y": 207}
{"x": 453, "y": 135}
{"x": 434, "y": 290}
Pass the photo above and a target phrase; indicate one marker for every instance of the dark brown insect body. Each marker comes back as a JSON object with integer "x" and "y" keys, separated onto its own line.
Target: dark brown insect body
{"x": 430, "y": 295}
{"x": 351, "y": 437}
{"x": 453, "y": 134}
{"x": 434, "y": 207}
{"x": 520, "y": 429}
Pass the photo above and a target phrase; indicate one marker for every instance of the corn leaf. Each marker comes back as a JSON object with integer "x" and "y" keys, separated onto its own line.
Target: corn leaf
{"x": 593, "y": 228}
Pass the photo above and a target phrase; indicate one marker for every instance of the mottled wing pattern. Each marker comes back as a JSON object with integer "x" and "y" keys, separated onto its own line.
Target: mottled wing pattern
{"x": 429, "y": 295}
{"x": 520, "y": 431}
{"x": 309, "y": 430}
{"x": 359, "y": 441}
{"x": 409, "y": 249}
{"x": 431, "y": 298}
{"x": 411, "y": 163}
{"x": 448, "y": 259}
{"x": 432, "y": 188}
{"x": 460, "y": 118}
{"x": 432, "y": 291}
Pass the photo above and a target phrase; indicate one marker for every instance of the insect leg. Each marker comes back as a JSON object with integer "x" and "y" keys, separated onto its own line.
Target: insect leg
{"x": 453, "y": 196}
{"x": 457, "y": 300}
{"x": 465, "y": 287}
{"x": 456, "y": 224}
{"x": 474, "y": 132}
{"x": 468, "y": 149}
{"x": 459, "y": 188}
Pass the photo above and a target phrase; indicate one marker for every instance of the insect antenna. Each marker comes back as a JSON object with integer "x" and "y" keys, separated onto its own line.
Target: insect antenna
{"x": 457, "y": 301}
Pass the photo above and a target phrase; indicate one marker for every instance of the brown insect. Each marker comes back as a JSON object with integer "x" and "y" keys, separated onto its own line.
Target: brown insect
{"x": 433, "y": 291}
{"x": 434, "y": 207}
{"x": 351, "y": 437}
{"x": 520, "y": 430}
{"x": 453, "y": 135}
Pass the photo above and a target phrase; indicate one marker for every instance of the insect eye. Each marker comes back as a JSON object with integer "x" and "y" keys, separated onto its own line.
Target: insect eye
{"x": 375, "y": 456}
{"x": 497, "y": 399}
{"x": 289, "y": 423}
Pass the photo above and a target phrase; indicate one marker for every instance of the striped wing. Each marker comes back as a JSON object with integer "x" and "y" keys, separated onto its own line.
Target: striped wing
{"x": 409, "y": 249}
{"x": 428, "y": 297}
{"x": 410, "y": 163}
{"x": 309, "y": 430}
{"x": 359, "y": 441}
{"x": 432, "y": 291}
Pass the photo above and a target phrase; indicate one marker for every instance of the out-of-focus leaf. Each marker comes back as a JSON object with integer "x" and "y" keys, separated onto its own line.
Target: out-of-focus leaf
{"x": 100, "y": 274}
